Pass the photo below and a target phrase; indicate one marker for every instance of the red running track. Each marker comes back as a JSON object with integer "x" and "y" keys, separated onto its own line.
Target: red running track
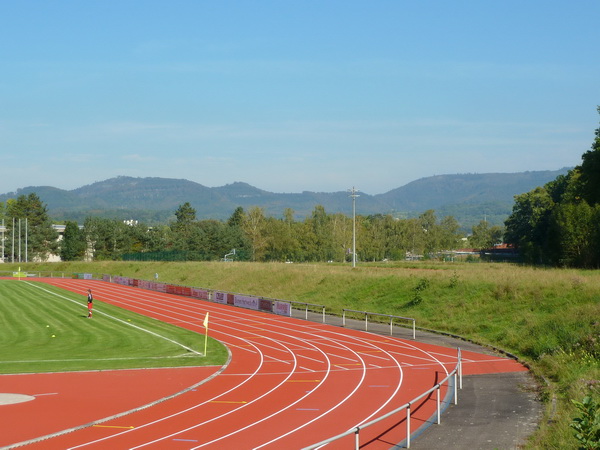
{"x": 289, "y": 383}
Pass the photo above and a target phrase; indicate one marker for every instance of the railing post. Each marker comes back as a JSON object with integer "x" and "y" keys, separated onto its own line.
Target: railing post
{"x": 391, "y": 326}
{"x": 343, "y": 317}
{"x": 408, "y": 426}
{"x": 460, "y": 368}
{"x": 438, "y": 404}
{"x": 366, "y": 321}
{"x": 323, "y": 314}
{"x": 357, "y": 438}
{"x": 306, "y": 311}
{"x": 455, "y": 389}
{"x": 414, "y": 329}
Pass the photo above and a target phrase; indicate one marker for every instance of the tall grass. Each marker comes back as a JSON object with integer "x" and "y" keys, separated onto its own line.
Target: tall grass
{"x": 550, "y": 318}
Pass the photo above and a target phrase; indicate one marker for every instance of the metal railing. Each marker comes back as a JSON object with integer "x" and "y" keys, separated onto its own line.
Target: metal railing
{"x": 391, "y": 317}
{"x": 456, "y": 374}
{"x": 321, "y": 308}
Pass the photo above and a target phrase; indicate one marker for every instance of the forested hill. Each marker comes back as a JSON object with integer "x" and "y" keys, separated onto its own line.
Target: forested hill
{"x": 468, "y": 197}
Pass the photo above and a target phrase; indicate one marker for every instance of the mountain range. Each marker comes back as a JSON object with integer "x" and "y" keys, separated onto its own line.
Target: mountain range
{"x": 470, "y": 198}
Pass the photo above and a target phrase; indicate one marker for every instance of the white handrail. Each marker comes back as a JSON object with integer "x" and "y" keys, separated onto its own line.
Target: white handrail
{"x": 356, "y": 430}
{"x": 390, "y": 316}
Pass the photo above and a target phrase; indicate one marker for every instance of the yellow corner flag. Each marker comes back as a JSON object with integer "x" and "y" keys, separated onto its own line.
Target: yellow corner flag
{"x": 205, "y": 323}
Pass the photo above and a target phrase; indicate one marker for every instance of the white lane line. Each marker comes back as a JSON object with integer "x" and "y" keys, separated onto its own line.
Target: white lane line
{"x": 183, "y": 411}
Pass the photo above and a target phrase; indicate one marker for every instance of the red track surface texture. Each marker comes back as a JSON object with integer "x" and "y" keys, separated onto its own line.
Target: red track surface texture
{"x": 289, "y": 383}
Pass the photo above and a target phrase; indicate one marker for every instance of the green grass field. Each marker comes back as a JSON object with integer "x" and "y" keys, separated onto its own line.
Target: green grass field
{"x": 45, "y": 329}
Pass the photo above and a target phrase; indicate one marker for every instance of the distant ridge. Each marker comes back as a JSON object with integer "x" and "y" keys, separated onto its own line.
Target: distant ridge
{"x": 468, "y": 197}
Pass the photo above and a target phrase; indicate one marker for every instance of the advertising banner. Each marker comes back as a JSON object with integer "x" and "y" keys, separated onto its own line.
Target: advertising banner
{"x": 265, "y": 305}
{"x": 122, "y": 280}
{"x": 282, "y": 308}
{"x": 244, "y": 301}
{"x": 199, "y": 293}
{"x": 220, "y": 297}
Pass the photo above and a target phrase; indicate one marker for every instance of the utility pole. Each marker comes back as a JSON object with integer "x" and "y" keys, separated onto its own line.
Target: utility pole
{"x": 353, "y": 194}
{"x": 13, "y": 242}
{"x": 26, "y": 246}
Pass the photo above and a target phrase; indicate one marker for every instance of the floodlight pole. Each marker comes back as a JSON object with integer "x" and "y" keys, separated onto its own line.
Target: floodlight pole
{"x": 13, "y": 241}
{"x": 2, "y": 255}
{"x": 26, "y": 244}
{"x": 19, "y": 240}
{"x": 353, "y": 194}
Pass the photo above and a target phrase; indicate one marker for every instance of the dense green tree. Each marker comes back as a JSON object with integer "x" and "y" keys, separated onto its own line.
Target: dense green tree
{"x": 35, "y": 228}
{"x": 558, "y": 223}
{"x": 573, "y": 234}
{"x": 431, "y": 232}
{"x": 185, "y": 214}
{"x": 109, "y": 239}
{"x": 185, "y": 231}
{"x": 159, "y": 239}
{"x": 449, "y": 234}
{"x": 397, "y": 238}
{"x": 590, "y": 172}
{"x": 73, "y": 243}
{"x": 372, "y": 240}
{"x": 341, "y": 237}
{"x": 415, "y": 237}
{"x": 234, "y": 236}
{"x": 320, "y": 225}
{"x": 527, "y": 226}
{"x": 254, "y": 226}
{"x": 283, "y": 243}
{"x": 484, "y": 236}
{"x": 237, "y": 218}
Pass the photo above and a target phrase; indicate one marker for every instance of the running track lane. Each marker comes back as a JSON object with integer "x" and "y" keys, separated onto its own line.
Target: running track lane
{"x": 289, "y": 383}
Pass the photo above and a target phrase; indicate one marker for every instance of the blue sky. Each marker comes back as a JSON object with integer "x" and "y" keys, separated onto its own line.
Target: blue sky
{"x": 293, "y": 95}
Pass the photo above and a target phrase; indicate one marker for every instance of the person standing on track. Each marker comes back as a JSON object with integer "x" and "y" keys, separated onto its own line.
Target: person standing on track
{"x": 90, "y": 299}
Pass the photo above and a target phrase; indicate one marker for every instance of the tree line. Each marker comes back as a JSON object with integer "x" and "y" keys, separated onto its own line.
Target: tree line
{"x": 255, "y": 236}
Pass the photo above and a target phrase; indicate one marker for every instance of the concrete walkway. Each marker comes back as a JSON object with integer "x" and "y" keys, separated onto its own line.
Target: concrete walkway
{"x": 494, "y": 411}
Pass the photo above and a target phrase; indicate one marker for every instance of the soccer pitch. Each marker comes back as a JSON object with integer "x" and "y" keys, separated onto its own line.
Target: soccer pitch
{"x": 45, "y": 329}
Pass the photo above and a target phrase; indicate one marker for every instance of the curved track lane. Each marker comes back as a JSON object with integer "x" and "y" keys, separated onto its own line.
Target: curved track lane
{"x": 289, "y": 382}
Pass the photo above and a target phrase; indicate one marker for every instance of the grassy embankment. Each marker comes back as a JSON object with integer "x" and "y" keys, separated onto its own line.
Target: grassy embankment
{"x": 550, "y": 318}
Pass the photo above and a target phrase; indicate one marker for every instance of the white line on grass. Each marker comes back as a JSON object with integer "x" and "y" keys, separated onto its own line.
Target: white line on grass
{"x": 119, "y": 320}
{"x": 98, "y": 359}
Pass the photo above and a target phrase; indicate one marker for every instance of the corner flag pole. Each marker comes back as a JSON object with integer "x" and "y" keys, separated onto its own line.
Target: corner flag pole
{"x": 205, "y": 323}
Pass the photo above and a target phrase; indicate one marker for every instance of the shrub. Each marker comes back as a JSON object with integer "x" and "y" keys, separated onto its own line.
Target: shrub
{"x": 587, "y": 424}
{"x": 420, "y": 287}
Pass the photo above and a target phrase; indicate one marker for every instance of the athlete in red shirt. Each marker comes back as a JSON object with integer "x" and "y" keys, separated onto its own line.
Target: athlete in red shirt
{"x": 90, "y": 303}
